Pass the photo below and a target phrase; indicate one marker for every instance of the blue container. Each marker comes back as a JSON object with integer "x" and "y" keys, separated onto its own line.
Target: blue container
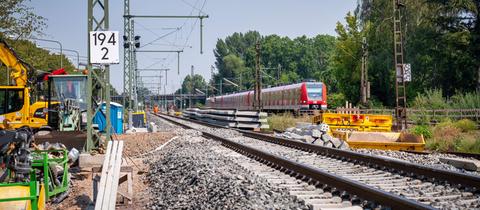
{"x": 116, "y": 118}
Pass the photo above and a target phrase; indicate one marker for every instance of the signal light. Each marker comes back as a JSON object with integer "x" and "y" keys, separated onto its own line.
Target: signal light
{"x": 137, "y": 41}
{"x": 125, "y": 42}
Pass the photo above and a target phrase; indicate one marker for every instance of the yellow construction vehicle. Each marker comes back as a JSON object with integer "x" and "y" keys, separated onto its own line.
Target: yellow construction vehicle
{"x": 369, "y": 131}
{"x": 17, "y": 105}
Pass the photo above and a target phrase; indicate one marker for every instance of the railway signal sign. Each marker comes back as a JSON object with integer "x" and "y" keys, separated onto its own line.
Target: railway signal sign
{"x": 407, "y": 68}
{"x": 104, "y": 47}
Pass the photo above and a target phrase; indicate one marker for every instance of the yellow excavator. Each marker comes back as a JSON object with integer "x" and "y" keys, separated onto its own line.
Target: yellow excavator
{"x": 18, "y": 108}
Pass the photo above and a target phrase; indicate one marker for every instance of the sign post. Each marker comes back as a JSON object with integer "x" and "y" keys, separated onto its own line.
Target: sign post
{"x": 103, "y": 50}
{"x": 104, "y": 47}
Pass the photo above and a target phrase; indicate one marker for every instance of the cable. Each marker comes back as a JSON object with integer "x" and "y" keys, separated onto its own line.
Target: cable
{"x": 161, "y": 37}
{"x": 193, "y": 6}
{"x": 194, "y": 24}
{"x": 183, "y": 25}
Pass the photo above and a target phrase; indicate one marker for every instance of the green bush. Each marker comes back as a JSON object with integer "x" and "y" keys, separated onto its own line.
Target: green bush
{"x": 431, "y": 99}
{"x": 374, "y": 103}
{"x": 461, "y": 136}
{"x": 469, "y": 144}
{"x": 335, "y": 100}
{"x": 286, "y": 120}
{"x": 466, "y": 100}
{"x": 445, "y": 137}
{"x": 281, "y": 121}
{"x": 421, "y": 118}
{"x": 422, "y": 130}
{"x": 466, "y": 125}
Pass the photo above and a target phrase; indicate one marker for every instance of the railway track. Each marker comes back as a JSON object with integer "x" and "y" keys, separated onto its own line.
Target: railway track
{"x": 350, "y": 178}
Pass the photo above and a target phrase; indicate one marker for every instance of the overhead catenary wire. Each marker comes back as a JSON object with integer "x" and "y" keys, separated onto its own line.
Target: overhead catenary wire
{"x": 191, "y": 29}
{"x": 177, "y": 30}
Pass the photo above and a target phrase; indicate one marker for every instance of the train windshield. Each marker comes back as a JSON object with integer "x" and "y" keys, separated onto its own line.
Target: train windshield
{"x": 314, "y": 91}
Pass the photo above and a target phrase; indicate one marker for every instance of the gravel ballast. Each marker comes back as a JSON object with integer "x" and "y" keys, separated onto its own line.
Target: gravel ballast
{"x": 430, "y": 160}
{"x": 188, "y": 174}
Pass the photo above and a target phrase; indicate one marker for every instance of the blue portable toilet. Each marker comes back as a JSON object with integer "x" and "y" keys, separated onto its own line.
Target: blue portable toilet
{"x": 116, "y": 118}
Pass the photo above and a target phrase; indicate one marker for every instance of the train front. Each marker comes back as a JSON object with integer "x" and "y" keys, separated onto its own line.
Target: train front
{"x": 316, "y": 95}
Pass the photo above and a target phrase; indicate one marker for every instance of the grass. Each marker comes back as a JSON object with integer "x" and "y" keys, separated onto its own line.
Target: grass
{"x": 286, "y": 120}
{"x": 460, "y": 136}
{"x": 434, "y": 99}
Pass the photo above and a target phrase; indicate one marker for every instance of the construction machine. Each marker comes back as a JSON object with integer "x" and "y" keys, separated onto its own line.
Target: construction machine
{"x": 370, "y": 131}
{"x": 31, "y": 174}
{"x": 18, "y": 105}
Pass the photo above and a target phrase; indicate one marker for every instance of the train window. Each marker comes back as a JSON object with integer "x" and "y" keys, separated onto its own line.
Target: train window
{"x": 314, "y": 91}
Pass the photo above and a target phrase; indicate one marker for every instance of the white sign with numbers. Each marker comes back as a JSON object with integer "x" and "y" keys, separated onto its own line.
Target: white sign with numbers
{"x": 407, "y": 68}
{"x": 104, "y": 47}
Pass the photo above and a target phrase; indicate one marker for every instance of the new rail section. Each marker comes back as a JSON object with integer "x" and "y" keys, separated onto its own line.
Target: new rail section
{"x": 355, "y": 191}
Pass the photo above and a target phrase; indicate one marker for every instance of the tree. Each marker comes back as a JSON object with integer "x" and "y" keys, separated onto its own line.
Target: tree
{"x": 189, "y": 85}
{"x": 40, "y": 59}
{"x": 283, "y": 60}
{"x": 441, "y": 43}
{"x": 346, "y": 59}
{"x": 19, "y": 20}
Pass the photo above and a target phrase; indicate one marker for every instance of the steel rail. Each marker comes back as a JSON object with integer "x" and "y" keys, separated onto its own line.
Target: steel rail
{"x": 406, "y": 168}
{"x": 402, "y": 167}
{"x": 337, "y": 185}
{"x": 461, "y": 154}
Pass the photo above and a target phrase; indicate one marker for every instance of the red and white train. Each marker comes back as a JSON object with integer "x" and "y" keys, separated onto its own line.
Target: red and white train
{"x": 295, "y": 97}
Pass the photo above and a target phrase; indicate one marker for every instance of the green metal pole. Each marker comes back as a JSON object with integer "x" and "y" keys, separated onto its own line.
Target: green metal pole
{"x": 107, "y": 79}
{"x": 89, "y": 144}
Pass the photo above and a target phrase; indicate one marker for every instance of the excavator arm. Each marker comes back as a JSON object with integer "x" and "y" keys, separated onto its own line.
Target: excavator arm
{"x": 19, "y": 69}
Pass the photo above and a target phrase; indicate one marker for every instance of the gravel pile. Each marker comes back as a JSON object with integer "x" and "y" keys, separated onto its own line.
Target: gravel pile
{"x": 430, "y": 160}
{"x": 188, "y": 174}
{"x": 308, "y": 133}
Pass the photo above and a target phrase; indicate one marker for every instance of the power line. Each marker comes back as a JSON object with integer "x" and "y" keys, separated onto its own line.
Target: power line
{"x": 184, "y": 23}
{"x": 193, "y": 6}
{"x": 161, "y": 37}
{"x": 194, "y": 24}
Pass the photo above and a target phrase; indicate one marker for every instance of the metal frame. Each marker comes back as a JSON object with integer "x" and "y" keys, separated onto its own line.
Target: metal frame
{"x": 42, "y": 163}
{"x": 400, "y": 86}
{"x": 97, "y": 21}
{"x": 130, "y": 64}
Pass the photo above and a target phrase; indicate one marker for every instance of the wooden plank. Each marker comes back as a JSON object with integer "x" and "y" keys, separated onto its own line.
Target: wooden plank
{"x": 103, "y": 201}
{"x": 101, "y": 188}
{"x": 122, "y": 169}
{"x": 116, "y": 174}
{"x": 108, "y": 185}
{"x": 130, "y": 187}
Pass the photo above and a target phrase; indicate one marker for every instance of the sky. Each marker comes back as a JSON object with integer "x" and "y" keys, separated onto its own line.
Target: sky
{"x": 67, "y": 23}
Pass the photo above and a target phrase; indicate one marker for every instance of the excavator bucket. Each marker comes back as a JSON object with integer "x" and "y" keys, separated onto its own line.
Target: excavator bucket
{"x": 369, "y": 131}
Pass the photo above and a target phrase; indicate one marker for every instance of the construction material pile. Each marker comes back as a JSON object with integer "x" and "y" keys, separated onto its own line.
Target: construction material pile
{"x": 189, "y": 174}
{"x": 313, "y": 134}
{"x": 230, "y": 118}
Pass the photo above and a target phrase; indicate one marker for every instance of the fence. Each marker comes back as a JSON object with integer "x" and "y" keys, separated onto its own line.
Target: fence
{"x": 432, "y": 115}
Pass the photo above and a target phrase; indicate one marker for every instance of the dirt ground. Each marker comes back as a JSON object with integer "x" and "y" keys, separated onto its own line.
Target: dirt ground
{"x": 81, "y": 190}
